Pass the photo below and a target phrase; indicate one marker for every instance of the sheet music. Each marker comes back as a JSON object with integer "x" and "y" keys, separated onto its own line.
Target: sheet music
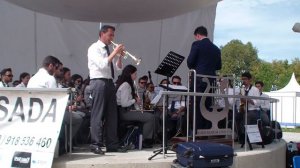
{"x": 157, "y": 97}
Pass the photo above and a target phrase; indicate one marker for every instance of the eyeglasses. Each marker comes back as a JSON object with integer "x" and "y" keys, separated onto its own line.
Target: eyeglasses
{"x": 10, "y": 76}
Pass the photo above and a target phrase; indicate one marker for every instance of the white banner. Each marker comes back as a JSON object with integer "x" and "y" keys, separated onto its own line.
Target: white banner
{"x": 30, "y": 122}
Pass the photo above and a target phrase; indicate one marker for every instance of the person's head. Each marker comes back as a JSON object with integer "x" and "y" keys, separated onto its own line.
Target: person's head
{"x": 259, "y": 85}
{"x": 164, "y": 81}
{"x": 246, "y": 78}
{"x": 6, "y": 75}
{"x": 66, "y": 72}
{"x": 150, "y": 87}
{"x": 107, "y": 34}
{"x": 24, "y": 78}
{"x": 176, "y": 80}
{"x": 52, "y": 65}
{"x": 200, "y": 33}
{"x": 77, "y": 80}
{"x": 142, "y": 82}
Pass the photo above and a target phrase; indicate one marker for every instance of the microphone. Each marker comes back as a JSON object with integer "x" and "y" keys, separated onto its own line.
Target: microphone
{"x": 296, "y": 27}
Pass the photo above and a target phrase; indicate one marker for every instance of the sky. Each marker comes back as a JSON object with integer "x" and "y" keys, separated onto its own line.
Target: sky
{"x": 267, "y": 24}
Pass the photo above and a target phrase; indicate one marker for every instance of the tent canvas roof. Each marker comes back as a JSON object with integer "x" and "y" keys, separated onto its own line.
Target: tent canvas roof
{"x": 292, "y": 86}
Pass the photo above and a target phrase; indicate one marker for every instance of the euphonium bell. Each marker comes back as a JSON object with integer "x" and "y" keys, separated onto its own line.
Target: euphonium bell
{"x": 136, "y": 60}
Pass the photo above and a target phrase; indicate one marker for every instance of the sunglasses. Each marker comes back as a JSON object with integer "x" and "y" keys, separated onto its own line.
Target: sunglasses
{"x": 142, "y": 82}
{"x": 10, "y": 75}
{"x": 176, "y": 83}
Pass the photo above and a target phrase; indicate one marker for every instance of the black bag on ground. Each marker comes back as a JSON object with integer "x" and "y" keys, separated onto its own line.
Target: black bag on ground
{"x": 204, "y": 154}
{"x": 267, "y": 134}
{"x": 277, "y": 129}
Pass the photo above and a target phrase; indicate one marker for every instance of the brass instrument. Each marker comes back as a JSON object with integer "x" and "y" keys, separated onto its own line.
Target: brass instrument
{"x": 147, "y": 101}
{"x": 137, "y": 106}
{"x": 136, "y": 60}
{"x": 242, "y": 104}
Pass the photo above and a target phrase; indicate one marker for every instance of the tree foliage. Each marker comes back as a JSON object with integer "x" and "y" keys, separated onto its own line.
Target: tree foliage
{"x": 238, "y": 58}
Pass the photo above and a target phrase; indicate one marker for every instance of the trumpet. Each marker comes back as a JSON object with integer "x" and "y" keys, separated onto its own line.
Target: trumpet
{"x": 136, "y": 60}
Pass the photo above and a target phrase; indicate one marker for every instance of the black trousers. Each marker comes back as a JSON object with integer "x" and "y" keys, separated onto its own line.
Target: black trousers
{"x": 104, "y": 108}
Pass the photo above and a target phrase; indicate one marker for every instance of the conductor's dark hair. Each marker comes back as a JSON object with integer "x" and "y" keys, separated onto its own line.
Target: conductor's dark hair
{"x": 105, "y": 28}
{"x": 200, "y": 30}
{"x": 51, "y": 60}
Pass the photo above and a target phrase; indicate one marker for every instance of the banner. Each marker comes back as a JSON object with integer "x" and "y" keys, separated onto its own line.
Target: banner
{"x": 30, "y": 122}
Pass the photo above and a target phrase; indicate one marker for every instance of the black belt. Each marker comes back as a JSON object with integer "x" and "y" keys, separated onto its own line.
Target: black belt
{"x": 103, "y": 79}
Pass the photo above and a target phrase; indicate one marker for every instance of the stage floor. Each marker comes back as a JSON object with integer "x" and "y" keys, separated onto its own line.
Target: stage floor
{"x": 273, "y": 155}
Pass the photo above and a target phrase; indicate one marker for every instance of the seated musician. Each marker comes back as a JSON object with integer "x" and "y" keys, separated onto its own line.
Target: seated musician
{"x": 176, "y": 109}
{"x": 126, "y": 98}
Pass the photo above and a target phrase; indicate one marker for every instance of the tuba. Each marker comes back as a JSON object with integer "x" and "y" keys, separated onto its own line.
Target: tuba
{"x": 127, "y": 54}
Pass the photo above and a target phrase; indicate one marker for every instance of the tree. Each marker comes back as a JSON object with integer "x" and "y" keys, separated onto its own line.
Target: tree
{"x": 238, "y": 57}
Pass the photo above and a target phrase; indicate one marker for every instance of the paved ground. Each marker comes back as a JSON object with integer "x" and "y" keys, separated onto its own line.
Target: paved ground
{"x": 290, "y": 136}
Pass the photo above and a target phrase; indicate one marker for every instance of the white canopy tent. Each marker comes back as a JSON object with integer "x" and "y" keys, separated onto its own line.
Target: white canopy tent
{"x": 287, "y": 113}
{"x": 27, "y": 36}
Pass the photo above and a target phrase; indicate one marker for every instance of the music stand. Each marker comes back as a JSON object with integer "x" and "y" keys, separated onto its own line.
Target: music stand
{"x": 167, "y": 68}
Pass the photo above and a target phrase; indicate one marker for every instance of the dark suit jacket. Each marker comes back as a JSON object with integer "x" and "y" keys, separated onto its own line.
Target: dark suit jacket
{"x": 205, "y": 57}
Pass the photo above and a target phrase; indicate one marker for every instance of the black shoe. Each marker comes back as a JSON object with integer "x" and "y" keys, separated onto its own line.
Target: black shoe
{"x": 120, "y": 149}
{"x": 97, "y": 150}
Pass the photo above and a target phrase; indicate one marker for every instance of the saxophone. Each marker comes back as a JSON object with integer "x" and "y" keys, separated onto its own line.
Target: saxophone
{"x": 242, "y": 104}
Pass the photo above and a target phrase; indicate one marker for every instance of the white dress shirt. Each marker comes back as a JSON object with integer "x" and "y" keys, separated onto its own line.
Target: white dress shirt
{"x": 3, "y": 84}
{"x": 21, "y": 85}
{"x": 124, "y": 96}
{"x": 98, "y": 64}
{"x": 265, "y": 104}
{"x": 42, "y": 79}
{"x": 253, "y": 92}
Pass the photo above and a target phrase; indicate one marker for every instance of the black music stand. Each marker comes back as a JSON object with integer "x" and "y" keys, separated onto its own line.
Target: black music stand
{"x": 167, "y": 68}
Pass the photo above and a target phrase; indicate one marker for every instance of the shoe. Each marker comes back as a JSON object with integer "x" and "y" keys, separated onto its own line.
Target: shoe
{"x": 97, "y": 150}
{"x": 120, "y": 149}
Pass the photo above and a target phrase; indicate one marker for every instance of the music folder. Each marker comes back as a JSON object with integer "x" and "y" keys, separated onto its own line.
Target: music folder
{"x": 170, "y": 87}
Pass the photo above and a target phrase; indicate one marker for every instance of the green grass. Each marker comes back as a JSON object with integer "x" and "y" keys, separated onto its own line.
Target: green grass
{"x": 296, "y": 130}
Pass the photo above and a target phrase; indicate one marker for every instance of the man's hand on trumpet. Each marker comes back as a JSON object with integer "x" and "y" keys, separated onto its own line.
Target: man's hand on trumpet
{"x": 119, "y": 50}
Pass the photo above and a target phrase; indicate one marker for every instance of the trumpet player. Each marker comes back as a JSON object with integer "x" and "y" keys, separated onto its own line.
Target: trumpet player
{"x": 104, "y": 105}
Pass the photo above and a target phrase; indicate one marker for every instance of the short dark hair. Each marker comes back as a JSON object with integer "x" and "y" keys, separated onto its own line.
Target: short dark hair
{"x": 200, "y": 30}
{"x": 176, "y": 77}
{"x": 105, "y": 28}
{"x": 145, "y": 77}
{"x": 65, "y": 70}
{"x": 51, "y": 60}
{"x": 261, "y": 83}
{"x": 5, "y": 70}
{"x": 247, "y": 75}
{"x": 23, "y": 75}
